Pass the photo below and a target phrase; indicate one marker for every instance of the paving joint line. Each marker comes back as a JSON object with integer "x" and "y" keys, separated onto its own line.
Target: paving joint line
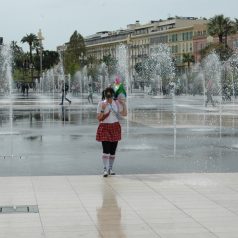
{"x": 85, "y": 209}
{"x": 152, "y": 229}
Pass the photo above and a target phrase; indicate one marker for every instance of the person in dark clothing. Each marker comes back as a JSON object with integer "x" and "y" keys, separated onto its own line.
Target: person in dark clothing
{"x": 23, "y": 88}
{"x": 65, "y": 89}
{"x": 27, "y": 88}
{"x": 90, "y": 93}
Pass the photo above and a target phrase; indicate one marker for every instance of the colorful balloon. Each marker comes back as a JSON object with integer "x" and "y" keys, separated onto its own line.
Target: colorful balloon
{"x": 119, "y": 89}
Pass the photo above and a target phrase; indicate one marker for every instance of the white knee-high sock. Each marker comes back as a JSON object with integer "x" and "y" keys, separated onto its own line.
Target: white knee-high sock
{"x": 105, "y": 158}
{"x": 111, "y": 161}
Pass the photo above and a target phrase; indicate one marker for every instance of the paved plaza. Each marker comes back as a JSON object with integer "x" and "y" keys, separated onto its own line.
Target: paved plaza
{"x": 176, "y": 169}
{"x": 158, "y": 205}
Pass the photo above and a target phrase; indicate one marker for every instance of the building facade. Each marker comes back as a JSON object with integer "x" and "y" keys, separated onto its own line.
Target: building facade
{"x": 141, "y": 39}
{"x": 182, "y": 34}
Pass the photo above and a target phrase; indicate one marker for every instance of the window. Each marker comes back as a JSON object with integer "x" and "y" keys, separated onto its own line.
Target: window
{"x": 187, "y": 36}
{"x": 178, "y": 59}
{"x": 180, "y": 37}
{"x": 184, "y": 36}
{"x": 174, "y": 37}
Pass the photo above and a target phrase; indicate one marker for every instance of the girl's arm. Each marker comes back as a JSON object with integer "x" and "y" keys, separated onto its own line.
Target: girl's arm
{"x": 100, "y": 115}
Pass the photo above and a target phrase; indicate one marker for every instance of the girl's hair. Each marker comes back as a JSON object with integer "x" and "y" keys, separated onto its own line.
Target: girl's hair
{"x": 108, "y": 90}
{"x": 103, "y": 95}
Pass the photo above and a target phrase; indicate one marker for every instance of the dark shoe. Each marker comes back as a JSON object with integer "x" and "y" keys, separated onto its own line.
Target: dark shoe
{"x": 70, "y": 102}
{"x": 105, "y": 173}
{"x": 61, "y": 104}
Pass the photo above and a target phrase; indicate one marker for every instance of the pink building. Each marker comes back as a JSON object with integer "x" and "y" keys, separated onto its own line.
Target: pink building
{"x": 201, "y": 41}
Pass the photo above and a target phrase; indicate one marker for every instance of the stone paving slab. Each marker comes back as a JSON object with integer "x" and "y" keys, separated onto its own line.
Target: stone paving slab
{"x": 194, "y": 205}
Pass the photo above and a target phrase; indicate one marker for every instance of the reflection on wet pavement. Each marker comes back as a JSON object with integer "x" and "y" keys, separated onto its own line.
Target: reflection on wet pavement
{"x": 109, "y": 215}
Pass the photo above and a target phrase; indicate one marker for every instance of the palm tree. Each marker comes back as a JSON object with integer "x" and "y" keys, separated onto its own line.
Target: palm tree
{"x": 230, "y": 28}
{"x": 32, "y": 40}
{"x": 221, "y": 26}
{"x": 188, "y": 58}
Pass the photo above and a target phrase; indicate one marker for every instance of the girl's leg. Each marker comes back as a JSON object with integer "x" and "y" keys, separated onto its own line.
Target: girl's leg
{"x": 113, "y": 147}
{"x": 105, "y": 155}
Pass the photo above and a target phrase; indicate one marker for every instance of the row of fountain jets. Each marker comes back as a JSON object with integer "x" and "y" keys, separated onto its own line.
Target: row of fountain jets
{"x": 211, "y": 68}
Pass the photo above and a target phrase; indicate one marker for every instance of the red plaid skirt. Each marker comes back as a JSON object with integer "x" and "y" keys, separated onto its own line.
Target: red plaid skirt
{"x": 109, "y": 132}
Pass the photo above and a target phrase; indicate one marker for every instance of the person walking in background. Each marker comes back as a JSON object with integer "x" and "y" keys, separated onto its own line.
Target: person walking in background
{"x": 90, "y": 93}
{"x": 209, "y": 93}
{"x": 27, "y": 88}
{"x": 109, "y": 129}
{"x": 65, "y": 89}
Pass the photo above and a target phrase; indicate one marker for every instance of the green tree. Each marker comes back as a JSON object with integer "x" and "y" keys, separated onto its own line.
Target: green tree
{"x": 32, "y": 41}
{"x": 18, "y": 60}
{"x": 222, "y": 27}
{"x": 49, "y": 59}
{"x": 18, "y": 54}
{"x": 111, "y": 63}
{"x": 75, "y": 49}
{"x": 138, "y": 68}
{"x": 92, "y": 64}
{"x": 188, "y": 58}
{"x": 223, "y": 51}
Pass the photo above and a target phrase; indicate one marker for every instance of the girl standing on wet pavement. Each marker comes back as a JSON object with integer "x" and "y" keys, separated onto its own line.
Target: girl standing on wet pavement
{"x": 109, "y": 130}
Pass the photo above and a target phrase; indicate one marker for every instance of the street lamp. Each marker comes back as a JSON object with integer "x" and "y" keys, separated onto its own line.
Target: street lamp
{"x": 40, "y": 38}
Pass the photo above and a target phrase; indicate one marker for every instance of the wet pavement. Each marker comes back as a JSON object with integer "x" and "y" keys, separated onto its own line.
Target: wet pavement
{"x": 40, "y": 137}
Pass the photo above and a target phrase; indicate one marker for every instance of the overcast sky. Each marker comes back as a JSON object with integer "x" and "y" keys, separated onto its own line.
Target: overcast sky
{"x": 58, "y": 19}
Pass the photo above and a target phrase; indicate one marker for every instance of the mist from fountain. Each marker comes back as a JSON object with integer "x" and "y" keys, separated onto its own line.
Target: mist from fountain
{"x": 122, "y": 70}
{"x": 6, "y": 59}
{"x": 76, "y": 84}
{"x": 6, "y": 79}
{"x": 103, "y": 76}
{"x": 212, "y": 69}
{"x": 163, "y": 65}
{"x": 122, "y": 67}
{"x": 164, "y": 70}
{"x": 232, "y": 68}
